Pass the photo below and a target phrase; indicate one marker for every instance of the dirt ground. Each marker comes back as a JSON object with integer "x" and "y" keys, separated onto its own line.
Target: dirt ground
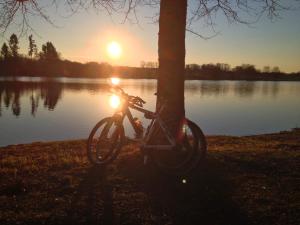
{"x": 244, "y": 180}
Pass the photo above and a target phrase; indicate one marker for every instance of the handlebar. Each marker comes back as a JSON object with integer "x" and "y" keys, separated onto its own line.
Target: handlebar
{"x": 136, "y": 100}
{"x": 140, "y": 99}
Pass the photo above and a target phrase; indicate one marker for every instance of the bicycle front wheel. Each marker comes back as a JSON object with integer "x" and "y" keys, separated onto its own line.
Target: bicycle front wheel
{"x": 105, "y": 141}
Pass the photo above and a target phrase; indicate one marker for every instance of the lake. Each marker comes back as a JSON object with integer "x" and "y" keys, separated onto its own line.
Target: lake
{"x": 34, "y": 109}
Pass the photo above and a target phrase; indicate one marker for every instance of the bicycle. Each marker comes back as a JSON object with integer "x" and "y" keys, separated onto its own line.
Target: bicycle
{"x": 177, "y": 154}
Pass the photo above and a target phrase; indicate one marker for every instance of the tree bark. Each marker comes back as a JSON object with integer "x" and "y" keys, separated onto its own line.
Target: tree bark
{"x": 171, "y": 53}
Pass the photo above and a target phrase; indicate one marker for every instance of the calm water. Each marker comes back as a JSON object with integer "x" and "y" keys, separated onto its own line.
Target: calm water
{"x": 32, "y": 109}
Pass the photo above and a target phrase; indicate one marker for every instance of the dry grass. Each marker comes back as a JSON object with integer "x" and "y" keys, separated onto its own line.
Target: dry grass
{"x": 245, "y": 180}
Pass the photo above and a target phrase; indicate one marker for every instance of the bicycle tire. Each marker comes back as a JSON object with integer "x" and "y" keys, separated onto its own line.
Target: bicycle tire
{"x": 107, "y": 141}
{"x": 182, "y": 165}
{"x": 201, "y": 152}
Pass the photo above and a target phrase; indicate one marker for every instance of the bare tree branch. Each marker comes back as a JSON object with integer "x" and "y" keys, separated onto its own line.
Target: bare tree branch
{"x": 20, "y": 12}
{"x": 200, "y": 35}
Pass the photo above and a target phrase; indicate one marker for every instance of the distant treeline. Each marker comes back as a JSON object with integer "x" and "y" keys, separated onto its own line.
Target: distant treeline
{"x": 66, "y": 68}
{"x": 221, "y": 71}
{"x": 48, "y": 63}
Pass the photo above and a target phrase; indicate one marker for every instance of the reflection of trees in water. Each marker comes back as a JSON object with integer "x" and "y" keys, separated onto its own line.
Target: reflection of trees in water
{"x": 92, "y": 87}
{"x": 148, "y": 87}
{"x": 7, "y": 97}
{"x": 245, "y": 88}
{"x": 11, "y": 93}
{"x": 16, "y": 107}
{"x": 207, "y": 88}
{"x": 270, "y": 88}
{"x": 248, "y": 88}
{"x": 34, "y": 101}
{"x": 49, "y": 93}
{"x": 145, "y": 86}
{"x": 239, "y": 88}
{"x": 214, "y": 88}
{"x": 1, "y": 91}
{"x": 221, "y": 88}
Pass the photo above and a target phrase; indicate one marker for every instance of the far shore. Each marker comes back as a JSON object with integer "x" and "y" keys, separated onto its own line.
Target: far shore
{"x": 65, "y": 68}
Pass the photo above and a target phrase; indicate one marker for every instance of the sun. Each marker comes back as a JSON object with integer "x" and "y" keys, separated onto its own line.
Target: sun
{"x": 114, "y": 49}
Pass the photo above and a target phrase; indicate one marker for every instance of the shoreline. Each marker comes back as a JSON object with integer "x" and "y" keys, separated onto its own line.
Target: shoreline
{"x": 207, "y": 136}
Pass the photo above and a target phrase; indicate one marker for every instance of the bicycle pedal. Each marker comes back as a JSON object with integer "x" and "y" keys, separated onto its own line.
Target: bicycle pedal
{"x": 145, "y": 159}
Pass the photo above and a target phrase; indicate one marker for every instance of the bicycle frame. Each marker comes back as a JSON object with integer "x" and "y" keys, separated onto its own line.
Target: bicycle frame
{"x": 156, "y": 120}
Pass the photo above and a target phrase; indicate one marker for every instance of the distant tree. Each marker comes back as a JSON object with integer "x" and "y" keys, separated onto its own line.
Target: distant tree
{"x": 14, "y": 45}
{"x": 193, "y": 66}
{"x": 246, "y": 69}
{"x": 5, "y": 53}
{"x": 149, "y": 64}
{"x": 32, "y": 49}
{"x": 266, "y": 69}
{"x": 275, "y": 69}
{"x": 49, "y": 52}
{"x": 211, "y": 68}
{"x": 143, "y": 64}
{"x": 223, "y": 66}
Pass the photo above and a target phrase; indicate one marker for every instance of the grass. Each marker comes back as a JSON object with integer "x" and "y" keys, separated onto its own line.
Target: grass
{"x": 245, "y": 180}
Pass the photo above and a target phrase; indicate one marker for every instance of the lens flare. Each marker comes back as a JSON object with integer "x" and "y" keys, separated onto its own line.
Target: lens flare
{"x": 115, "y": 80}
{"x": 114, "y": 101}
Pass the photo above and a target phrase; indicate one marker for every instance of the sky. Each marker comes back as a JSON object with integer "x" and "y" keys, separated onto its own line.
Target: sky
{"x": 85, "y": 35}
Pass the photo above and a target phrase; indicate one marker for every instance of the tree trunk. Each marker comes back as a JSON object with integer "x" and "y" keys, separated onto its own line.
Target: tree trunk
{"x": 171, "y": 52}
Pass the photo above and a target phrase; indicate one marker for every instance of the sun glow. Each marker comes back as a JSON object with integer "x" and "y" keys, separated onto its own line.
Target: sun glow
{"x": 114, "y": 101}
{"x": 114, "y": 50}
{"x": 115, "y": 80}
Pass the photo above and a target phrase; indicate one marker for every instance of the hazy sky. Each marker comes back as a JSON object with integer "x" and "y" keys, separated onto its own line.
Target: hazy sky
{"x": 85, "y": 35}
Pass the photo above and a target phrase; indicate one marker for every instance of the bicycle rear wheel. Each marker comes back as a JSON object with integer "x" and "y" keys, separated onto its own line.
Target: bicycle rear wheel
{"x": 178, "y": 159}
{"x": 105, "y": 141}
{"x": 200, "y": 154}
